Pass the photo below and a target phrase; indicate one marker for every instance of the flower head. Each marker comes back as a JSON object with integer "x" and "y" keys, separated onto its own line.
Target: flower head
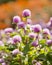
{"x": 8, "y": 30}
{"x": 1, "y": 43}
{"x": 26, "y": 13}
{"x": 49, "y": 42}
{"x": 36, "y": 28}
{"x": 16, "y": 19}
{"x": 1, "y": 60}
{"x": 49, "y": 24}
{"x": 51, "y": 20}
{"x": 3, "y": 63}
{"x": 10, "y": 41}
{"x": 46, "y": 31}
{"x": 32, "y": 35}
{"x": 21, "y": 25}
{"x": 17, "y": 38}
{"x": 38, "y": 63}
{"x": 15, "y": 51}
{"x": 35, "y": 43}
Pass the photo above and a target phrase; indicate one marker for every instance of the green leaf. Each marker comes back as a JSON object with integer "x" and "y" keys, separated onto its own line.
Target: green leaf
{"x": 42, "y": 42}
{"x": 41, "y": 57}
{"x": 26, "y": 49}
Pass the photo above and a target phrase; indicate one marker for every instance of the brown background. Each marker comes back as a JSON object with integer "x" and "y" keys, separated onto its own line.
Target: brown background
{"x": 41, "y": 10}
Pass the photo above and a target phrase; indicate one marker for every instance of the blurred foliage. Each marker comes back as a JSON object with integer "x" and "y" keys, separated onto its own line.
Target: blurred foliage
{"x": 5, "y": 1}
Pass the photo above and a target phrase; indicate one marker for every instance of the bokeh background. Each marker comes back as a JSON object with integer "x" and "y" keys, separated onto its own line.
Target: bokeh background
{"x": 41, "y": 10}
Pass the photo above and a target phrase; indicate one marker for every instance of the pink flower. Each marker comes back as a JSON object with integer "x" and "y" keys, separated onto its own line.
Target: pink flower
{"x": 3, "y": 63}
{"x": 1, "y": 43}
{"x": 10, "y": 41}
{"x": 1, "y": 60}
{"x": 8, "y": 30}
{"x": 32, "y": 35}
{"x": 49, "y": 42}
{"x": 37, "y": 63}
{"x": 46, "y": 31}
{"x": 15, "y": 51}
{"x": 17, "y": 38}
{"x": 16, "y": 19}
{"x": 35, "y": 43}
{"x": 21, "y": 25}
{"x": 36, "y": 28}
{"x": 26, "y": 13}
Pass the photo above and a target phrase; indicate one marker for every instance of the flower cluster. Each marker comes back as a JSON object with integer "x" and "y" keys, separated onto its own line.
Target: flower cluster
{"x": 27, "y": 44}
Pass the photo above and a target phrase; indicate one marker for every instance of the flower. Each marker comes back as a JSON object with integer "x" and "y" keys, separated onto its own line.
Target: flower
{"x": 46, "y": 31}
{"x": 49, "y": 24}
{"x": 3, "y": 63}
{"x": 1, "y": 60}
{"x": 21, "y": 25}
{"x": 10, "y": 41}
{"x": 15, "y": 51}
{"x": 35, "y": 43}
{"x": 51, "y": 20}
{"x": 49, "y": 42}
{"x": 1, "y": 43}
{"x": 38, "y": 63}
{"x": 36, "y": 28}
{"x": 17, "y": 38}
{"x": 16, "y": 19}
{"x": 26, "y": 13}
{"x": 32, "y": 35}
{"x": 8, "y": 30}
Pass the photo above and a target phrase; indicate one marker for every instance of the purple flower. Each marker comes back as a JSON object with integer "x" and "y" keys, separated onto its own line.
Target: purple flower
{"x": 49, "y": 42}
{"x": 38, "y": 63}
{"x": 3, "y": 63}
{"x": 16, "y": 19}
{"x": 1, "y": 43}
{"x": 35, "y": 43}
{"x": 1, "y": 60}
{"x": 51, "y": 20}
{"x": 21, "y": 25}
{"x": 10, "y": 41}
{"x": 15, "y": 51}
{"x": 49, "y": 24}
{"x": 17, "y": 38}
{"x": 29, "y": 21}
{"x": 32, "y": 35}
{"x": 26, "y": 13}
{"x": 46, "y": 31}
{"x": 36, "y": 28}
{"x": 8, "y": 30}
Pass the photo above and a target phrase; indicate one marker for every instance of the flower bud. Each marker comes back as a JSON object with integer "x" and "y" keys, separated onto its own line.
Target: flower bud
{"x": 35, "y": 43}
